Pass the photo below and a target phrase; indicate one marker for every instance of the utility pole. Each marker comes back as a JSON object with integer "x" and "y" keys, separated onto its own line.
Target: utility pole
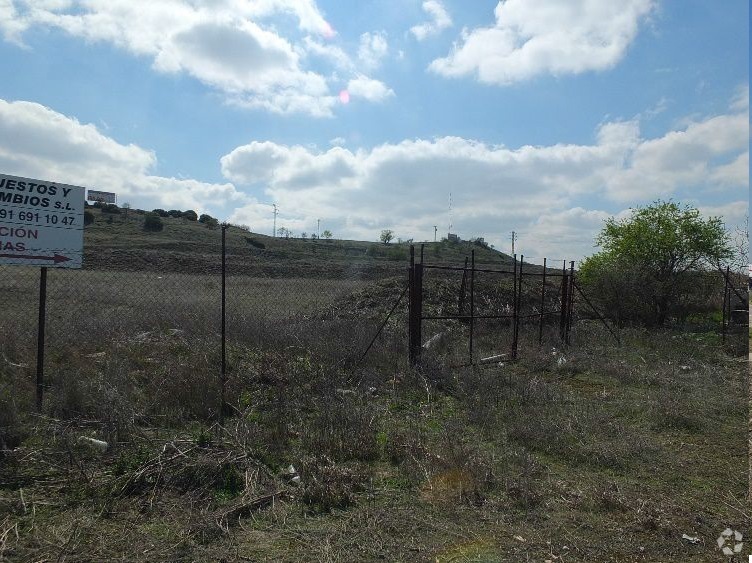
{"x": 318, "y": 228}
{"x": 514, "y": 237}
{"x": 274, "y": 232}
{"x": 435, "y": 229}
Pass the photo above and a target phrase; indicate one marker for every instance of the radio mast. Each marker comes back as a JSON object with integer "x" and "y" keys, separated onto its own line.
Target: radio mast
{"x": 450, "y": 212}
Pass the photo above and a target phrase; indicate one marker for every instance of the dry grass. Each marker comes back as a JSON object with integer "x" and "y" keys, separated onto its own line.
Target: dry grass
{"x": 587, "y": 453}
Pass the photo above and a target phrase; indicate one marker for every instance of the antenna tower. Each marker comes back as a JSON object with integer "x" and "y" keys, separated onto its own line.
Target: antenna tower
{"x": 450, "y": 212}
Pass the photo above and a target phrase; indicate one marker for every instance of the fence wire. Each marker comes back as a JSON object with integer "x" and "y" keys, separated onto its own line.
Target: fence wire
{"x": 331, "y": 300}
{"x": 166, "y": 306}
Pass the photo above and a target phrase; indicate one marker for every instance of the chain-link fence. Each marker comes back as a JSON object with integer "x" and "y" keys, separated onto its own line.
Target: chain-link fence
{"x": 162, "y": 309}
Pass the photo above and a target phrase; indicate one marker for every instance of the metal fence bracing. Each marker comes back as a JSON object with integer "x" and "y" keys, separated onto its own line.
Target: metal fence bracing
{"x": 234, "y": 299}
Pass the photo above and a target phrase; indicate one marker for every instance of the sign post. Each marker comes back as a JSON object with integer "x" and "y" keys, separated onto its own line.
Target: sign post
{"x": 41, "y": 224}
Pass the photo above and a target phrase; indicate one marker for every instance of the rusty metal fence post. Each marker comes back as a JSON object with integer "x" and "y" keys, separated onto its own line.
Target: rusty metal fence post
{"x": 415, "y": 309}
{"x": 570, "y": 302}
{"x": 513, "y": 353}
{"x": 463, "y": 288}
{"x": 223, "y": 367}
{"x": 542, "y": 305}
{"x": 723, "y": 309}
{"x": 40, "y": 336}
{"x": 564, "y": 302}
{"x": 472, "y": 302}
{"x": 517, "y": 307}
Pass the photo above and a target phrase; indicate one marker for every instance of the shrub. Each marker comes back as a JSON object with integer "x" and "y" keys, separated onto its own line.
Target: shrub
{"x": 160, "y": 212}
{"x": 209, "y": 221}
{"x": 328, "y": 486}
{"x": 153, "y": 222}
{"x": 175, "y": 213}
{"x": 110, "y": 208}
{"x": 253, "y": 242}
{"x": 88, "y": 217}
{"x": 190, "y": 215}
{"x": 655, "y": 259}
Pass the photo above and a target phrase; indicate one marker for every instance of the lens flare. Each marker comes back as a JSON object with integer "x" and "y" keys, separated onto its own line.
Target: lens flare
{"x": 344, "y": 97}
{"x": 327, "y": 30}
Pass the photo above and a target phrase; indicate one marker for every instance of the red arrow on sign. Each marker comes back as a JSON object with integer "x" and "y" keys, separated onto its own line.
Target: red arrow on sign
{"x": 57, "y": 258}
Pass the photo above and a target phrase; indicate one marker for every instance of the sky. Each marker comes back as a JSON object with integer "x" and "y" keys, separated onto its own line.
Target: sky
{"x": 543, "y": 117}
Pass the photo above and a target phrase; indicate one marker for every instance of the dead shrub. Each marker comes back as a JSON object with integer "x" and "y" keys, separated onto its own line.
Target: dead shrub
{"x": 524, "y": 479}
{"x": 481, "y": 392}
{"x": 11, "y": 430}
{"x": 328, "y": 486}
{"x": 343, "y": 427}
{"x": 101, "y": 392}
{"x": 577, "y": 431}
{"x": 676, "y": 409}
{"x": 449, "y": 463}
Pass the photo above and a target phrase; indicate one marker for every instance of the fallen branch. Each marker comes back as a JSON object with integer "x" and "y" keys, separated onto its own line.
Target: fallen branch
{"x": 245, "y": 507}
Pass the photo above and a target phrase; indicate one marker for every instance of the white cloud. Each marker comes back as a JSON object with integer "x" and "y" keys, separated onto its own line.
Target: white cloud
{"x": 733, "y": 174}
{"x": 338, "y": 142}
{"x": 561, "y": 235}
{"x": 373, "y": 48}
{"x": 369, "y": 89}
{"x": 328, "y": 51}
{"x": 439, "y": 20}
{"x": 538, "y": 190}
{"x": 534, "y": 37}
{"x": 38, "y": 142}
{"x": 740, "y": 101}
{"x": 685, "y": 158}
{"x": 10, "y": 24}
{"x": 733, "y": 213}
{"x": 223, "y": 43}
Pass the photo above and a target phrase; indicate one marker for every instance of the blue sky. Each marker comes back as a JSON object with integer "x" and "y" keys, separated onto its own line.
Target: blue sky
{"x": 539, "y": 116}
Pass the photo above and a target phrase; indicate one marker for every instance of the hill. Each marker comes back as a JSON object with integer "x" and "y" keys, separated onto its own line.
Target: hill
{"x": 119, "y": 242}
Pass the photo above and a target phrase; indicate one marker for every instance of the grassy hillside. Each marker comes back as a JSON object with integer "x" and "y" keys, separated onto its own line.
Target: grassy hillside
{"x": 120, "y": 242}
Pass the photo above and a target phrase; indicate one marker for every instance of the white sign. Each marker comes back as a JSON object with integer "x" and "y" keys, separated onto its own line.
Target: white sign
{"x": 41, "y": 223}
{"x": 104, "y": 197}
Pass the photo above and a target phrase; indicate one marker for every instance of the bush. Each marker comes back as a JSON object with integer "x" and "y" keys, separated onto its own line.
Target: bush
{"x": 153, "y": 222}
{"x": 110, "y": 208}
{"x": 208, "y": 220}
{"x": 190, "y": 215}
{"x": 175, "y": 213}
{"x": 656, "y": 262}
{"x": 88, "y": 217}
{"x": 160, "y": 212}
{"x": 253, "y": 242}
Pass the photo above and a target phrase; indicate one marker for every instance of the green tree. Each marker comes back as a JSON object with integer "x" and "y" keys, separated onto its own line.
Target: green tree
{"x": 651, "y": 265}
{"x": 386, "y": 236}
{"x": 153, "y": 222}
{"x": 190, "y": 215}
{"x": 327, "y": 234}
